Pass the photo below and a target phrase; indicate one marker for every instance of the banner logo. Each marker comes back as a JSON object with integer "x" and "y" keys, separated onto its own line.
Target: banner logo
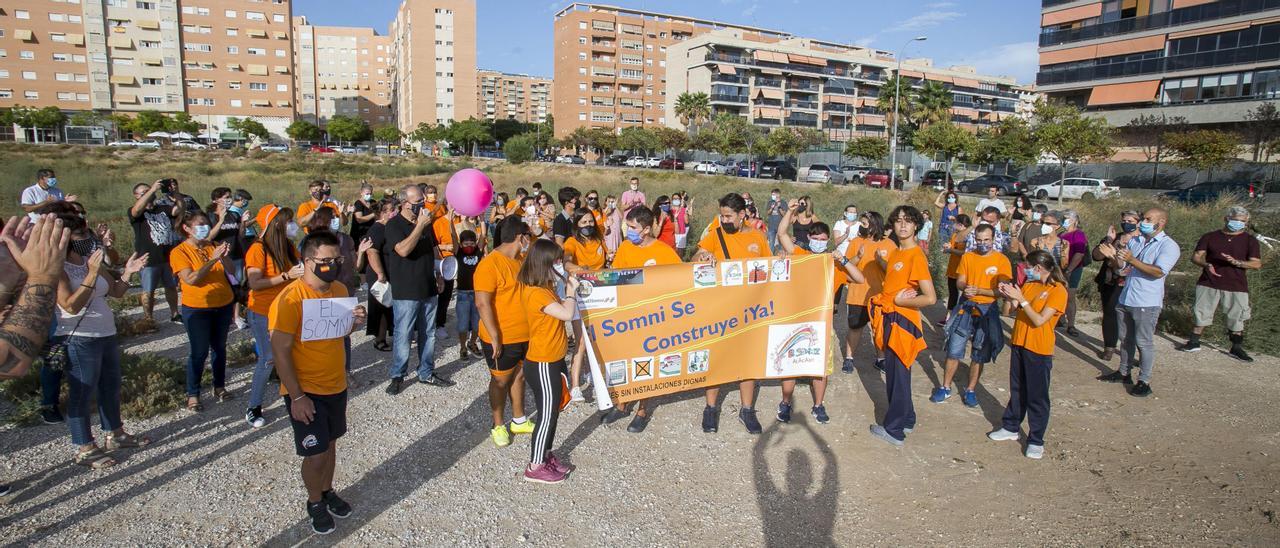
{"x": 796, "y": 349}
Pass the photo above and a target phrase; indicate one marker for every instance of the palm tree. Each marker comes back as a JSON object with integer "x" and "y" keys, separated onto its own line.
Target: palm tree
{"x": 884, "y": 103}
{"x": 693, "y": 109}
{"x": 933, "y": 104}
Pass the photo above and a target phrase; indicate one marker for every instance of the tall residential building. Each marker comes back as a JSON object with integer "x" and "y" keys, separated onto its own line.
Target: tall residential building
{"x": 433, "y": 52}
{"x": 505, "y": 96}
{"x": 1208, "y": 61}
{"x": 213, "y": 60}
{"x": 342, "y": 71}
{"x": 611, "y": 63}
{"x": 800, "y": 82}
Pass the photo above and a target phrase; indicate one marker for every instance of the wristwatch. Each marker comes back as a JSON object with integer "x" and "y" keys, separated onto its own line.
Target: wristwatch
{"x": 1024, "y": 304}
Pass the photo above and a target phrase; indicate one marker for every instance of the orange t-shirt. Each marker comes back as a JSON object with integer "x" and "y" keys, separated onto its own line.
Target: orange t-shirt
{"x": 984, "y": 272}
{"x": 838, "y": 276}
{"x": 260, "y": 299}
{"x": 309, "y": 206}
{"x": 319, "y": 365}
{"x": 953, "y": 260}
{"x": 589, "y": 255}
{"x": 496, "y": 274}
{"x": 547, "y": 339}
{"x": 1039, "y": 339}
{"x": 599, "y": 216}
{"x": 905, "y": 269}
{"x": 743, "y": 244}
{"x": 440, "y": 226}
{"x": 630, "y": 255}
{"x": 859, "y": 294}
{"x": 214, "y": 291}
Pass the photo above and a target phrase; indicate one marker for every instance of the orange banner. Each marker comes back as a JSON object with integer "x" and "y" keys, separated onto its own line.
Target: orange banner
{"x": 666, "y": 329}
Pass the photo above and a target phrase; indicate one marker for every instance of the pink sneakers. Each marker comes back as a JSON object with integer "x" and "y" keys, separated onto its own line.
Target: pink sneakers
{"x": 565, "y": 469}
{"x": 544, "y": 473}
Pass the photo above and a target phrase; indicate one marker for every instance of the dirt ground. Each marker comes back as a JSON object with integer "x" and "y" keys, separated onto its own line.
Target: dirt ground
{"x": 1194, "y": 464}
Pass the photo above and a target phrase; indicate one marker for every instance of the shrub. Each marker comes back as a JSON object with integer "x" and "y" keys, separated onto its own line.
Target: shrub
{"x": 151, "y": 385}
{"x": 241, "y": 353}
{"x": 519, "y": 149}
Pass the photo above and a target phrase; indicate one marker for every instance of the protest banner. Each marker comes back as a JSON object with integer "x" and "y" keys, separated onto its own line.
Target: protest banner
{"x": 666, "y": 329}
{"x": 327, "y": 318}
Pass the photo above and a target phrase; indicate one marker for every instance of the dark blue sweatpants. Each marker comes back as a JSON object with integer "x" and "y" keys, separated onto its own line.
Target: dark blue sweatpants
{"x": 901, "y": 413}
{"x": 1029, "y": 394}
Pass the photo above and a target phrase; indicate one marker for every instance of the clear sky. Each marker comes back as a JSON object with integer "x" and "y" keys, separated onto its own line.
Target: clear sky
{"x": 997, "y": 36}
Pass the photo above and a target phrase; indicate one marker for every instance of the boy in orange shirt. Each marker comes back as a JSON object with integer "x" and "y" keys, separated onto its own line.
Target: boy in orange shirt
{"x": 863, "y": 251}
{"x": 504, "y": 330}
{"x": 977, "y": 317}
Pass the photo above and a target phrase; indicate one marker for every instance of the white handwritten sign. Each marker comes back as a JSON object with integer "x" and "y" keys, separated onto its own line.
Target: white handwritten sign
{"x": 324, "y": 319}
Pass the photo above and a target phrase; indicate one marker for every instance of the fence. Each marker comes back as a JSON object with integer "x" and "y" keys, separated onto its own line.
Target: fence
{"x": 85, "y": 135}
{"x": 1140, "y": 174}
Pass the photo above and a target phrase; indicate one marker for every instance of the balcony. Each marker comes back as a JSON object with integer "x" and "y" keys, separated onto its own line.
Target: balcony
{"x": 1193, "y": 14}
{"x": 730, "y": 78}
{"x": 1160, "y": 65}
{"x": 768, "y": 83}
{"x": 763, "y": 102}
{"x": 837, "y": 108}
{"x": 802, "y": 86}
{"x": 804, "y": 121}
{"x": 806, "y": 105}
{"x": 725, "y": 98}
{"x": 767, "y": 122}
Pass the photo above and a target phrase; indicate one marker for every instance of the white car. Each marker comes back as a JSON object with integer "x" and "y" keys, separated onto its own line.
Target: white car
{"x": 635, "y": 161}
{"x": 125, "y": 143}
{"x": 190, "y": 144}
{"x": 652, "y": 162}
{"x": 149, "y": 143}
{"x": 824, "y": 173}
{"x": 1076, "y": 188}
{"x": 714, "y": 168}
{"x": 275, "y": 147}
{"x": 854, "y": 173}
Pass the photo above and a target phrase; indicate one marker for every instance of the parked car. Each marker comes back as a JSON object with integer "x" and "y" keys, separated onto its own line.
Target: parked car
{"x": 854, "y": 173}
{"x": 616, "y": 160}
{"x": 777, "y": 169}
{"x": 825, "y": 173}
{"x": 1006, "y": 185}
{"x": 937, "y": 179}
{"x": 671, "y": 163}
{"x": 347, "y": 149}
{"x": 746, "y": 169}
{"x": 123, "y": 143}
{"x": 1211, "y": 191}
{"x": 149, "y": 143}
{"x": 879, "y": 178}
{"x": 636, "y": 161}
{"x": 1076, "y": 188}
{"x": 715, "y": 168}
{"x": 321, "y": 149}
{"x": 572, "y": 159}
{"x": 189, "y": 144}
{"x": 226, "y": 145}
{"x": 652, "y": 162}
{"x": 275, "y": 147}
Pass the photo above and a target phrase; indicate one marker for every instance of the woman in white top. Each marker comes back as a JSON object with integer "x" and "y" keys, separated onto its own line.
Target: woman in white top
{"x": 92, "y": 350}
{"x": 923, "y": 235}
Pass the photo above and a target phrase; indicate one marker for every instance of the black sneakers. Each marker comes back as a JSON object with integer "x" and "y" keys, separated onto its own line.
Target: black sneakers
{"x": 50, "y": 415}
{"x": 396, "y": 385}
{"x": 338, "y": 507}
{"x": 1116, "y": 376}
{"x": 710, "y": 419}
{"x": 614, "y": 415}
{"x": 638, "y": 424}
{"x": 321, "y": 522}
{"x": 1141, "y": 390}
{"x": 748, "y": 417}
{"x": 1192, "y": 345}
{"x": 437, "y": 381}
{"x": 1240, "y": 354}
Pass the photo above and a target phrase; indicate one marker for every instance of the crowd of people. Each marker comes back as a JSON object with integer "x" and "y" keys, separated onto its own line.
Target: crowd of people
{"x": 510, "y": 274}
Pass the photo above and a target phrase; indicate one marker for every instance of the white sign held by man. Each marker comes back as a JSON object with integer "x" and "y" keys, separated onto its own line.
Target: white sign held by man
{"x": 324, "y": 319}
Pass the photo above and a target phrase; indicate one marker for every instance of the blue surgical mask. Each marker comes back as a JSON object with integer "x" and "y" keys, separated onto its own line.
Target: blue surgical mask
{"x": 51, "y": 181}
{"x": 851, "y": 217}
{"x": 634, "y": 236}
{"x": 951, "y": 200}
{"x": 1032, "y": 275}
{"x": 236, "y": 209}
{"x": 818, "y": 246}
{"x": 982, "y": 249}
{"x": 1235, "y": 226}
{"x": 1036, "y": 216}
{"x": 201, "y": 231}
{"x": 291, "y": 229}
{"x": 1146, "y": 228}
{"x": 335, "y": 224}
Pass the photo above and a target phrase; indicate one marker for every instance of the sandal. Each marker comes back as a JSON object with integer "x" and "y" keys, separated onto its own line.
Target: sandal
{"x": 95, "y": 458}
{"x": 383, "y": 346}
{"x": 222, "y": 395}
{"x": 126, "y": 441}
{"x": 194, "y": 405}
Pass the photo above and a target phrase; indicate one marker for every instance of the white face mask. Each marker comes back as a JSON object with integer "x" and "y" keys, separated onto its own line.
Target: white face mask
{"x": 1066, "y": 223}
{"x": 291, "y": 230}
{"x": 818, "y": 246}
{"x": 335, "y": 224}
{"x": 1046, "y": 229}
{"x": 531, "y": 210}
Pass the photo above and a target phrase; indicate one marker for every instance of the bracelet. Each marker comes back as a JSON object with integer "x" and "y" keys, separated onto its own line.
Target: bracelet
{"x": 89, "y": 287}
{"x": 299, "y": 397}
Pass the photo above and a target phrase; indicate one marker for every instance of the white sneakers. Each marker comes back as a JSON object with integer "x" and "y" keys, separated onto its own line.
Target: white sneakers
{"x": 1035, "y": 451}
{"x": 1002, "y": 435}
{"x": 575, "y": 395}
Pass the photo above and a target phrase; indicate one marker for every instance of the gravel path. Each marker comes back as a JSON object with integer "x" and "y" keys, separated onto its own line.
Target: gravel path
{"x": 1195, "y": 464}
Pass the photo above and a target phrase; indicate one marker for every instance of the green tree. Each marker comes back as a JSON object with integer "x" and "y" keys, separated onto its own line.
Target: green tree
{"x": 871, "y": 149}
{"x": 947, "y": 139}
{"x": 884, "y": 103}
{"x": 732, "y": 134}
{"x": 605, "y": 141}
{"x": 150, "y": 121}
{"x": 638, "y": 139}
{"x": 1063, "y": 131}
{"x": 427, "y": 133}
{"x": 247, "y": 127}
{"x": 503, "y": 129}
{"x": 389, "y": 134}
{"x": 302, "y": 130}
{"x": 469, "y": 133}
{"x": 579, "y": 139}
{"x": 1147, "y": 132}
{"x": 1262, "y": 125}
{"x": 87, "y": 118}
{"x": 121, "y": 124}
{"x": 790, "y": 141}
{"x": 1011, "y": 141}
{"x": 693, "y": 110}
{"x": 519, "y": 149}
{"x": 932, "y": 104}
{"x": 182, "y": 122}
{"x": 347, "y": 128}
{"x": 1203, "y": 149}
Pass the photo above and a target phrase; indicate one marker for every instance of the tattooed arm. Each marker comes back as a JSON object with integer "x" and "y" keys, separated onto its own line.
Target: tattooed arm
{"x": 24, "y": 330}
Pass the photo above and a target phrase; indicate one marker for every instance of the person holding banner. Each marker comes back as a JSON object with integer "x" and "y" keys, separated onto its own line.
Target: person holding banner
{"x": 895, "y": 320}
{"x": 819, "y": 238}
{"x": 977, "y": 318}
{"x": 640, "y": 249}
{"x": 1040, "y": 303}
{"x": 548, "y": 345}
{"x": 504, "y": 330}
{"x": 863, "y": 251}
{"x": 732, "y": 240}
{"x": 313, "y": 377}
{"x": 583, "y": 250}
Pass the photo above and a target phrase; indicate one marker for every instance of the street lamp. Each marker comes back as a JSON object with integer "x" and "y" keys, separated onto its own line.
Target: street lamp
{"x": 897, "y": 97}
{"x": 845, "y": 90}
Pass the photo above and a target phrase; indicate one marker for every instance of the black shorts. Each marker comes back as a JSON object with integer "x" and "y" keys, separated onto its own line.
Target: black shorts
{"x": 512, "y": 355}
{"x": 859, "y": 316}
{"x": 328, "y": 424}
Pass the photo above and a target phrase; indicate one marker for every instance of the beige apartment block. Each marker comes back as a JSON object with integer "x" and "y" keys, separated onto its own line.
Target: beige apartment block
{"x": 433, "y": 51}
{"x": 800, "y": 82}
{"x": 43, "y": 58}
{"x": 505, "y": 96}
{"x": 1208, "y": 61}
{"x": 342, "y": 71}
{"x": 611, "y": 63}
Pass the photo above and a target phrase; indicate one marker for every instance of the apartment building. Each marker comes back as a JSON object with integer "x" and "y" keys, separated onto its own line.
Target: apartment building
{"x": 342, "y": 71}
{"x": 505, "y": 96}
{"x": 433, "y": 56}
{"x": 1208, "y": 61}
{"x": 43, "y": 58}
{"x": 611, "y": 63}
{"x": 800, "y": 82}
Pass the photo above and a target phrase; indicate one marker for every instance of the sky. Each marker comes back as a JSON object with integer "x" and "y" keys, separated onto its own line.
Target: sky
{"x": 997, "y": 36}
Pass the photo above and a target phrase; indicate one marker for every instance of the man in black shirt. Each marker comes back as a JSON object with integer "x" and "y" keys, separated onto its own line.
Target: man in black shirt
{"x": 153, "y": 234}
{"x": 410, "y": 247}
{"x": 562, "y": 226}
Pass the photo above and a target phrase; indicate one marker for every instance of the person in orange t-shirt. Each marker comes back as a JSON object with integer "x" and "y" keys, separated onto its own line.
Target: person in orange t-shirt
{"x": 207, "y": 302}
{"x": 954, "y": 249}
{"x": 446, "y": 232}
{"x": 270, "y": 264}
{"x": 313, "y": 377}
{"x": 1040, "y": 303}
{"x": 977, "y": 317}
{"x": 583, "y": 251}
{"x": 733, "y": 240}
{"x": 895, "y": 321}
{"x": 819, "y": 241}
{"x": 863, "y": 251}
{"x": 504, "y": 330}
{"x": 320, "y": 198}
{"x": 544, "y": 370}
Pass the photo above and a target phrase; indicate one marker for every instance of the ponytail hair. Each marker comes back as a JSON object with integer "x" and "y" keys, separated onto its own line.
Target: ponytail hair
{"x": 1046, "y": 261}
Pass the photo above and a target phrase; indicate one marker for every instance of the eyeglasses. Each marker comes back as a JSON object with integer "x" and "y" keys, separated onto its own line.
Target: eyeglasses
{"x": 331, "y": 261}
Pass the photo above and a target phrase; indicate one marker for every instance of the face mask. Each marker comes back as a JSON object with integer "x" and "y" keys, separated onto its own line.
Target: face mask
{"x": 1033, "y": 275}
{"x": 862, "y": 231}
{"x": 666, "y": 208}
{"x": 951, "y": 200}
{"x": 750, "y": 202}
{"x": 817, "y": 246}
{"x": 335, "y": 224}
{"x": 318, "y": 195}
{"x": 1235, "y": 226}
{"x": 416, "y": 209}
{"x": 236, "y": 209}
{"x": 559, "y": 268}
{"x": 1066, "y": 223}
{"x": 729, "y": 228}
{"x": 587, "y": 231}
{"x": 367, "y": 197}
{"x": 776, "y": 197}
{"x": 1036, "y": 216}
{"x": 327, "y": 273}
{"x": 51, "y": 181}
{"x": 1046, "y": 230}
{"x": 1146, "y": 228}
{"x": 1128, "y": 227}
{"x": 291, "y": 230}
{"x": 201, "y": 231}
{"x": 851, "y": 217}
{"x": 326, "y": 192}
{"x": 676, "y": 203}
{"x": 531, "y": 210}
{"x": 634, "y": 236}
{"x": 982, "y": 249}
{"x": 85, "y": 247}
{"x": 468, "y": 249}
{"x": 635, "y": 187}
{"x": 524, "y": 249}
{"x": 595, "y": 203}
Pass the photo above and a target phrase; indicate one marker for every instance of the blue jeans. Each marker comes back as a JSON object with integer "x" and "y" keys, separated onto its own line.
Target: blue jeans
{"x": 468, "y": 315}
{"x": 50, "y": 381}
{"x": 93, "y": 372}
{"x": 207, "y": 333}
{"x": 262, "y": 371}
{"x": 412, "y": 316}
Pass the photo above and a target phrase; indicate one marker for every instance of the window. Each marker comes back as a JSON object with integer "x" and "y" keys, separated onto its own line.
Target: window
{"x": 58, "y": 17}
{"x": 122, "y": 61}
{"x": 26, "y": 55}
{"x": 149, "y": 44}
{"x": 280, "y": 53}
{"x": 62, "y": 76}
{"x": 22, "y": 14}
{"x": 233, "y": 49}
{"x": 4, "y": 73}
{"x": 282, "y": 87}
{"x": 31, "y": 94}
{"x": 153, "y": 81}
{"x": 57, "y": 37}
{"x": 152, "y": 100}
{"x": 257, "y": 86}
{"x": 256, "y": 51}
{"x": 278, "y": 17}
{"x": 255, "y": 16}
{"x": 230, "y": 14}
{"x": 6, "y": 94}
{"x": 145, "y": 5}
{"x": 206, "y": 48}
{"x": 232, "y": 31}
{"x": 28, "y": 75}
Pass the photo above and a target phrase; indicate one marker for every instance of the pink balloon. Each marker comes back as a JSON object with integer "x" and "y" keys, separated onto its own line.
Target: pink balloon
{"x": 469, "y": 191}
